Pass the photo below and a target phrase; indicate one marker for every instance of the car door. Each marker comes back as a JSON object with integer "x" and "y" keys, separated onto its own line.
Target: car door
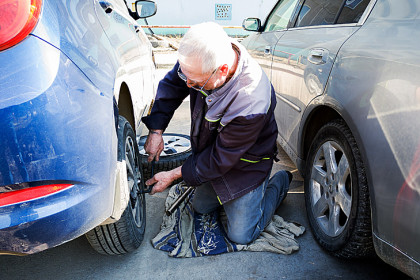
{"x": 261, "y": 45}
{"x": 131, "y": 51}
{"x": 303, "y": 58}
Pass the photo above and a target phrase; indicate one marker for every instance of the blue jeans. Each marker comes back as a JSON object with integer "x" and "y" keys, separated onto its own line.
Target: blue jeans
{"x": 248, "y": 215}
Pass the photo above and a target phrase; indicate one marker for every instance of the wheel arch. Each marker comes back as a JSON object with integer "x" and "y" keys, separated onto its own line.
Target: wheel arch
{"x": 315, "y": 117}
{"x": 319, "y": 113}
{"x": 125, "y": 105}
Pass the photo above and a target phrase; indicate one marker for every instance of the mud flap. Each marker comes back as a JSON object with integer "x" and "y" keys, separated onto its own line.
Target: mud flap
{"x": 122, "y": 193}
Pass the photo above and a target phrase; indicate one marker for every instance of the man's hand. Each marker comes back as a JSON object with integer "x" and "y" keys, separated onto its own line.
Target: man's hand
{"x": 154, "y": 144}
{"x": 162, "y": 180}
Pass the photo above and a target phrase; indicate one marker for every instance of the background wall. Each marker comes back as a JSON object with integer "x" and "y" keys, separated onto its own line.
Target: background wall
{"x": 224, "y": 12}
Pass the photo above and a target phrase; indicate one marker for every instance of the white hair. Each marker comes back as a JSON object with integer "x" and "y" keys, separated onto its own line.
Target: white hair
{"x": 209, "y": 43}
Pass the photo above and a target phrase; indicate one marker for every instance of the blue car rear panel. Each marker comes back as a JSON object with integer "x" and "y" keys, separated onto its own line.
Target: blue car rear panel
{"x": 55, "y": 126}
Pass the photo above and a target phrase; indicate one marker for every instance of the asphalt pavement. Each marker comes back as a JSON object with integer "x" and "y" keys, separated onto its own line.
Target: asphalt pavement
{"x": 77, "y": 260}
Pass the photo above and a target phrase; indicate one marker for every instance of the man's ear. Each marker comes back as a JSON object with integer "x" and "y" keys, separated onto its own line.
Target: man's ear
{"x": 225, "y": 69}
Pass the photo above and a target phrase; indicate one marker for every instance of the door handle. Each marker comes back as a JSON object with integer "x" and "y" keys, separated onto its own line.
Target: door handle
{"x": 318, "y": 56}
{"x": 108, "y": 8}
{"x": 267, "y": 50}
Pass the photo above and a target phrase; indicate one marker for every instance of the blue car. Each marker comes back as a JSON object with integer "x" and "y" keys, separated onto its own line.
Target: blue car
{"x": 76, "y": 77}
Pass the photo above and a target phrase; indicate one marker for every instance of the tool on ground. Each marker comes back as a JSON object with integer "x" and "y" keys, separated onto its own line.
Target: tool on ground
{"x": 179, "y": 200}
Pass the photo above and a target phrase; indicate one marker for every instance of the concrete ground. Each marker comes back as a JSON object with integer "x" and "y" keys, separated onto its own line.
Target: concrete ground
{"x": 76, "y": 260}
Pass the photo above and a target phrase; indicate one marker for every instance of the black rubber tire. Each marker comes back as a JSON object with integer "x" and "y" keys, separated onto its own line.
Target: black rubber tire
{"x": 126, "y": 234}
{"x": 354, "y": 237}
{"x": 165, "y": 163}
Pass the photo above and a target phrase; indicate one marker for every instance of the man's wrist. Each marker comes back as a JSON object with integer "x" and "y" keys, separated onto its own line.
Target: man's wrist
{"x": 176, "y": 173}
{"x": 156, "y": 131}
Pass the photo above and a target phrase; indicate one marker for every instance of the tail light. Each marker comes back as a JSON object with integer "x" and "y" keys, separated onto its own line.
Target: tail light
{"x": 17, "y": 19}
{"x": 19, "y": 196}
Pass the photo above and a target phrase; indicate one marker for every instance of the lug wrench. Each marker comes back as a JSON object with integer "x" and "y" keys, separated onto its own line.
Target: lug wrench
{"x": 178, "y": 201}
{"x": 148, "y": 189}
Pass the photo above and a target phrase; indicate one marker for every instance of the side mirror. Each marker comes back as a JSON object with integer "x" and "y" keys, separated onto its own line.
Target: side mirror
{"x": 145, "y": 8}
{"x": 251, "y": 24}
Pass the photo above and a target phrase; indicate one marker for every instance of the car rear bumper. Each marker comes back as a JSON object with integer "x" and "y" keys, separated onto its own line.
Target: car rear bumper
{"x": 39, "y": 224}
{"x": 56, "y": 126}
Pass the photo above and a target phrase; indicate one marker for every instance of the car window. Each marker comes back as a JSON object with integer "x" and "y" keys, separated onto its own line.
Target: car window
{"x": 281, "y": 15}
{"x": 120, "y": 4}
{"x": 318, "y": 12}
{"x": 352, "y": 11}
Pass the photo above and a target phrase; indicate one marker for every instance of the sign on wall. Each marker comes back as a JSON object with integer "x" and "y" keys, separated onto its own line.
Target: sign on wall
{"x": 223, "y": 11}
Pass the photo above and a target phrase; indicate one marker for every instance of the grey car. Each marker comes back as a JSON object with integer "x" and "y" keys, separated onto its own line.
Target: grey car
{"x": 347, "y": 80}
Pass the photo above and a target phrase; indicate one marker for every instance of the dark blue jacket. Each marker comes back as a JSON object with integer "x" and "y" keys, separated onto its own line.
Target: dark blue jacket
{"x": 234, "y": 144}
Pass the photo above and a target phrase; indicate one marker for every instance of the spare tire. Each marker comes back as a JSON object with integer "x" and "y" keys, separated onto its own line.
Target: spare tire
{"x": 177, "y": 148}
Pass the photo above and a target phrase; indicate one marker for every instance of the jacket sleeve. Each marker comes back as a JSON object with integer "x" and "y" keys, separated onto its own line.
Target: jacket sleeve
{"x": 231, "y": 144}
{"x": 170, "y": 94}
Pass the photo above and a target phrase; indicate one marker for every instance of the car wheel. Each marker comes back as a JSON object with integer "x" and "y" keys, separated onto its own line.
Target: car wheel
{"x": 127, "y": 233}
{"x": 177, "y": 148}
{"x": 336, "y": 193}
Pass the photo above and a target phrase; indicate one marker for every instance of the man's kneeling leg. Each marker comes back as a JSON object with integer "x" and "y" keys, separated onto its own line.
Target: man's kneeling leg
{"x": 205, "y": 199}
{"x": 248, "y": 215}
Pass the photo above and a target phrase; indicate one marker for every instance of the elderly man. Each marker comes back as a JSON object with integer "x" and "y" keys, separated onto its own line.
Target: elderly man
{"x": 233, "y": 131}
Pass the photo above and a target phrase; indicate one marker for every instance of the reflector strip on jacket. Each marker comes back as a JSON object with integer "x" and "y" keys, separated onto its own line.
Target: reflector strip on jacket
{"x": 253, "y": 161}
{"x": 219, "y": 200}
{"x": 209, "y": 120}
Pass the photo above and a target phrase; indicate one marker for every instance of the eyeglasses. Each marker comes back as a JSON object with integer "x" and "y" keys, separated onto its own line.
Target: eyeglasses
{"x": 200, "y": 89}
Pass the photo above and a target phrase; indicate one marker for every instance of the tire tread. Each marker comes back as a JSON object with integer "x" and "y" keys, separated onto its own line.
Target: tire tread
{"x": 359, "y": 240}
{"x": 165, "y": 163}
{"x": 122, "y": 236}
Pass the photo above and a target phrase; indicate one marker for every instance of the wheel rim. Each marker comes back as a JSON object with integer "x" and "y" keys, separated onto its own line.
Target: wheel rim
{"x": 331, "y": 189}
{"x": 134, "y": 180}
{"x": 173, "y": 145}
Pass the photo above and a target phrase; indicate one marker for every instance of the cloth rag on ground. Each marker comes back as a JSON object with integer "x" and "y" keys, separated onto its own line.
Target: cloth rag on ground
{"x": 188, "y": 234}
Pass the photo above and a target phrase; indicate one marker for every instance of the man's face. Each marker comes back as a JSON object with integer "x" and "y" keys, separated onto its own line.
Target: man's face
{"x": 191, "y": 68}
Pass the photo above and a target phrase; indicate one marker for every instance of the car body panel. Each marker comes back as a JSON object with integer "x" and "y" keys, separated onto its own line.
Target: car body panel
{"x": 296, "y": 79}
{"x": 261, "y": 45}
{"x": 384, "y": 107}
{"x": 133, "y": 51}
{"x": 32, "y": 226}
{"x": 64, "y": 133}
{"x": 57, "y": 120}
{"x": 122, "y": 51}
{"x": 371, "y": 80}
{"x": 66, "y": 25}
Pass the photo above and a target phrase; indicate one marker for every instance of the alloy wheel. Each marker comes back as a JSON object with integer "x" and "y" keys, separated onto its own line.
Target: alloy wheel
{"x": 330, "y": 188}
{"x": 134, "y": 179}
